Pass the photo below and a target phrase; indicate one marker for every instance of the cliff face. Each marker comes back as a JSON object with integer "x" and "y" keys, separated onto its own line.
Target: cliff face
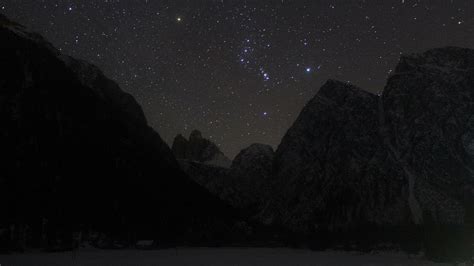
{"x": 331, "y": 169}
{"x": 353, "y": 158}
{"x": 428, "y": 113}
{"x": 77, "y": 154}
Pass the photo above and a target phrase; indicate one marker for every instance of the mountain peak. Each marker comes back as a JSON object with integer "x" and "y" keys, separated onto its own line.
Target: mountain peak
{"x": 339, "y": 91}
{"x": 253, "y": 154}
{"x": 199, "y": 149}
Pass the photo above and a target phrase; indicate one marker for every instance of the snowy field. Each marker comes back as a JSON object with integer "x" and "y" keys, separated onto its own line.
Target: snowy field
{"x": 208, "y": 257}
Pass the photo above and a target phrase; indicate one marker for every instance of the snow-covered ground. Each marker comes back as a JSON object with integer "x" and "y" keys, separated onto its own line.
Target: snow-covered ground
{"x": 208, "y": 256}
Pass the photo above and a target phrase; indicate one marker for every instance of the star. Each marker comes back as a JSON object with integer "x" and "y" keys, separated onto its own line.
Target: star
{"x": 250, "y": 55}
{"x": 265, "y": 76}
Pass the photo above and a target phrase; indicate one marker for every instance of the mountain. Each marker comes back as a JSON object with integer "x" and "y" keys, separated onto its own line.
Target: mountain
{"x": 244, "y": 184}
{"x": 78, "y": 156}
{"x": 199, "y": 149}
{"x": 355, "y": 159}
{"x": 331, "y": 169}
{"x": 427, "y": 113}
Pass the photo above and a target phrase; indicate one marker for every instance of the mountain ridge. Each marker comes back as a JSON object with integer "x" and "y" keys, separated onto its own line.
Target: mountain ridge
{"x": 78, "y": 156}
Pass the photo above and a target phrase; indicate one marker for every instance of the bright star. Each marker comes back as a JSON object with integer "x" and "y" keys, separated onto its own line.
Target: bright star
{"x": 308, "y": 69}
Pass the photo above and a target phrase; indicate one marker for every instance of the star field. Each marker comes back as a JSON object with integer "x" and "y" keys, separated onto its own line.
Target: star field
{"x": 241, "y": 71}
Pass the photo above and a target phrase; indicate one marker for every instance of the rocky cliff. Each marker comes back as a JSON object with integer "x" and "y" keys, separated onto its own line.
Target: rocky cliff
{"x": 78, "y": 156}
{"x": 427, "y": 115}
{"x": 353, "y": 158}
{"x": 332, "y": 170}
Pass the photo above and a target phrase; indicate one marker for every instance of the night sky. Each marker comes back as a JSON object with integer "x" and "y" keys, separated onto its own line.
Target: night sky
{"x": 241, "y": 71}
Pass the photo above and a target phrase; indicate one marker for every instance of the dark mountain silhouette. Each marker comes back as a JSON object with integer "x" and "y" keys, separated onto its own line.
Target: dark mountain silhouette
{"x": 77, "y": 155}
{"x": 199, "y": 149}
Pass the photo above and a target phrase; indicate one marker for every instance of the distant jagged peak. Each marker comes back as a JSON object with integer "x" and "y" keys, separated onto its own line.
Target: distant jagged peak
{"x": 199, "y": 149}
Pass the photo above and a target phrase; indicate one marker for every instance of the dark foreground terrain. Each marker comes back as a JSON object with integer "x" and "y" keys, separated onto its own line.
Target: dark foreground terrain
{"x": 211, "y": 256}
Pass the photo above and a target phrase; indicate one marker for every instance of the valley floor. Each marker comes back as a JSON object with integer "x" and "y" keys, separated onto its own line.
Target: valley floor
{"x": 208, "y": 256}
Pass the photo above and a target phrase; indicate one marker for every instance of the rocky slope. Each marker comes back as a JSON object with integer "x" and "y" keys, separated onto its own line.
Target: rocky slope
{"x": 78, "y": 156}
{"x": 244, "y": 184}
{"x": 331, "y": 169}
{"x": 353, "y": 158}
{"x": 199, "y": 149}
